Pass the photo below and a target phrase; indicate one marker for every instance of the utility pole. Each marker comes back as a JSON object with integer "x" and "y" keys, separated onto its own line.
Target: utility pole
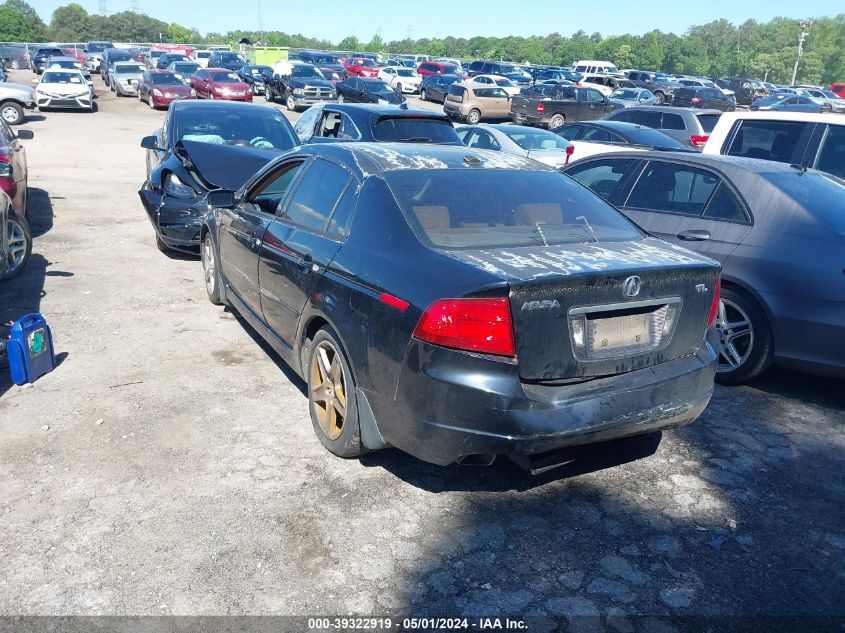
{"x": 260, "y": 25}
{"x": 805, "y": 25}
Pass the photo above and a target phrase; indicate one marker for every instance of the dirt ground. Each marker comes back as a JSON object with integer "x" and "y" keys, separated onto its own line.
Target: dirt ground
{"x": 168, "y": 466}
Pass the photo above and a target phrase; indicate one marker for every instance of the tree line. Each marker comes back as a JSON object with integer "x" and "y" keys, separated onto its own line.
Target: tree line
{"x": 716, "y": 49}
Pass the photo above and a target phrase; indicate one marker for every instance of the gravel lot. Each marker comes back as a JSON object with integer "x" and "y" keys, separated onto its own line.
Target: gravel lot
{"x": 168, "y": 465}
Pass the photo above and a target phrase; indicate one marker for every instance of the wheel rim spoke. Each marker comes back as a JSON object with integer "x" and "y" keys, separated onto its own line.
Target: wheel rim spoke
{"x": 736, "y": 336}
{"x": 328, "y": 392}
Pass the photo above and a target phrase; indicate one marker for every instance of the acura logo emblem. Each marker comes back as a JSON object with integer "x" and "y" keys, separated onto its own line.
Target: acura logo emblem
{"x": 631, "y": 287}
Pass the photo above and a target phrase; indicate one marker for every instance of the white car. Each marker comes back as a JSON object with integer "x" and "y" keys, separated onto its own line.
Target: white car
{"x": 63, "y": 89}
{"x": 497, "y": 80}
{"x": 201, "y": 57}
{"x": 401, "y": 78}
{"x": 540, "y": 145}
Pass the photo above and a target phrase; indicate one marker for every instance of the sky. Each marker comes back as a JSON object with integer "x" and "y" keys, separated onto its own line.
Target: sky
{"x": 336, "y": 19}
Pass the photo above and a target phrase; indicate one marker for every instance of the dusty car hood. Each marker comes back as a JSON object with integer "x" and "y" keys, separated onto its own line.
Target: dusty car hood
{"x": 6, "y": 86}
{"x": 226, "y": 166}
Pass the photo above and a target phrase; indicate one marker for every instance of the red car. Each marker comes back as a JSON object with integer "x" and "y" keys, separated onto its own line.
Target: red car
{"x": 13, "y": 172}
{"x": 838, "y": 89}
{"x": 220, "y": 83}
{"x": 159, "y": 87}
{"x": 438, "y": 68}
{"x": 360, "y": 67}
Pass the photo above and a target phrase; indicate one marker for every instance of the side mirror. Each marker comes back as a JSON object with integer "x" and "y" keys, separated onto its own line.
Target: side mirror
{"x": 221, "y": 198}
{"x": 25, "y": 135}
{"x": 150, "y": 142}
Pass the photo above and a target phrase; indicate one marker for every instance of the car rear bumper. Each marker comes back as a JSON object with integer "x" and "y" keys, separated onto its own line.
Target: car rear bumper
{"x": 450, "y": 405}
{"x": 529, "y": 119}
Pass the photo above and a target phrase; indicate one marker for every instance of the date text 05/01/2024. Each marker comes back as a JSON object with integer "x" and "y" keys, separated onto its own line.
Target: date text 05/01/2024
{"x": 416, "y": 624}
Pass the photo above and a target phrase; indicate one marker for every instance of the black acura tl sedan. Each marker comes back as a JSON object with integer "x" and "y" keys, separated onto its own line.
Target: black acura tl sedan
{"x": 460, "y": 304}
{"x": 201, "y": 147}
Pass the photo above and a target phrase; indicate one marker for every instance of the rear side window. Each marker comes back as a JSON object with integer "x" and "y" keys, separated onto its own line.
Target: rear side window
{"x": 822, "y": 195}
{"x": 317, "y": 195}
{"x": 650, "y": 119}
{"x": 626, "y": 116}
{"x": 490, "y": 208}
{"x": 769, "y": 140}
{"x": 673, "y": 188}
{"x": 725, "y": 206}
{"x": 831, "y": 156}
{"x": 602, "y": 176}
{"x": 673, "y": 122}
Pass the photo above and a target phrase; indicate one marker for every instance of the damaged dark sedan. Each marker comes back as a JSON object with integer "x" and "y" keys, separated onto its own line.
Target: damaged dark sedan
{"x": 203, "y": 146}
{"x": 460, "y": 304}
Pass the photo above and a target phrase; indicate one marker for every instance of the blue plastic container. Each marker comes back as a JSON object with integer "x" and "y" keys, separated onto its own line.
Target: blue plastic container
{"x": 30, "y": 349}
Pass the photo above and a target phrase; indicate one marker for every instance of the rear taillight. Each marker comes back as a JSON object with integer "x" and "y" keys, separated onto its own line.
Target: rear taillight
{"x": 570, "y": 150}
{"x": 714, "y": 305}
{"x": 697, "y": 140}
{"x": 696, "y": 100}
{"x": 475, "y": 325}
{"x": 540, "y": 107}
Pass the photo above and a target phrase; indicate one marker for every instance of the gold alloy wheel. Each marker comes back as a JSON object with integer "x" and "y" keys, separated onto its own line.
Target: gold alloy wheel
{"x": 328, "y": 389}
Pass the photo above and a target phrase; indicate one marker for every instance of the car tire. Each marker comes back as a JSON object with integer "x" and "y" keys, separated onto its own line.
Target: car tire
{"x": 659, "y": 98}
{"x": 151, "y": 103}
{"x": 15, "y": 65}
{"x": 19, "y": 245}
{"x": 290, "y": 102}
{"x": 332, "y": 400}
{"x": 211, "y": 271}
{"x": 12, "y": 113}
{"x": 746, "y": 345}
{"x": 399, "y": 88}
{"x": 268, "y": 94}
{"x": 474, "y": 116}
{"x": 423, "y": 96}
{"x": 557, "y": 121}
{"x": 340, "y": 98}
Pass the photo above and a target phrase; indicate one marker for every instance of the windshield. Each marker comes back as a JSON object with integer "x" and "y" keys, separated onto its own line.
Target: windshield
{"x": 368, "y": 63}
{"x": 642, "y": 135}
{"x": 97, "y": 47}
{"x": 65, "y": 64}
{"x": 492, "y": 208}
{"x": 165, "y": 79}
{"x": 261, "y": 127}
{"x": 186, "y": 67}
{"x": 626, "y": 95}
{"x": 507, "y": 83}
{"x": 509, "y": 70}
{"x": 225, "y": 78}
{"x": 378, "y": 87}
{"x": 407, "y": 72}
{"x": 538, "y": 139}
{"x": 260, "y": 70}
{"x": 227, "y": 58}
{"x": 156, "y": 53}
{"x": 325, "y": 59}
{"x": 306, "y": 72}
{"x": 416, "y": 130}
{"x": 58, "y": 77}
{"x": 820, "y": 194}
{"x": 203, "y": 54}
{"x": 127, "y": 69}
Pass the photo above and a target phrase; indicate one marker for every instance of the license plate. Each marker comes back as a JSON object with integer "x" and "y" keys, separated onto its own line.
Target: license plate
{"x": 614, "y": 333}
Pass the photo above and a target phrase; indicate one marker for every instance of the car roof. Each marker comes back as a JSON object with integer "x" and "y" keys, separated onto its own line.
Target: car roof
{"x": 804, "y": 117}
{"x": 376, "y": 159}
{"x": 386, "y": 110}
{"x": 714, "y": 161}
{"x": 62, "y": 58}
{"x": 675, "y": 109}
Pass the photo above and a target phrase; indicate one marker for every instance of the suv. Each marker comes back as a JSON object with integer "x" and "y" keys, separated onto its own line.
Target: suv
{"x": 110, "y": 56}
{"x": 435, "y": 87}
{"x": 13, "y": 99}
{"x": 473, "y": 102}
{"x": 811, "y": 140}
{"x": 703, "y": 97}
{"x": 505, "y": 69}
{"x": 691, "y": 126}
{"x": 661, "y": 86}
{"x": 226, "y": 59}
{"x": 745, "y": 90}
{"x": 41, "y": 55}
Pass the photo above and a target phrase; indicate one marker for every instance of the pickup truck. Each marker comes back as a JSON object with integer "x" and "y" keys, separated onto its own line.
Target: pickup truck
{"x": 565, "y": 104}
{"x": 661, "y": 86}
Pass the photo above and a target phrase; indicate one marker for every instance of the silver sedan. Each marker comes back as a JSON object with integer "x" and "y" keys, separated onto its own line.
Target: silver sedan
{"x": 541, "y": 145}
{"x": 124, "y": 78}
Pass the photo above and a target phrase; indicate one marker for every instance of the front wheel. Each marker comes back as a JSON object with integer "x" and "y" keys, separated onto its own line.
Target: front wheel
{"x": 746, "y": 346}
{"x": 660, "y": 98}
{"x": 211, "y": 272}
{"x": 268, "y": 93}
{"x": 331, "y": 396}
{"x": 423, "y": 95}
{"x": 12, "y": 113}
{"x": 340, "y": 98}
{"x": 19, "y": 246}
{"x": 290, "y": 102}
{"x": 474, "y": 117}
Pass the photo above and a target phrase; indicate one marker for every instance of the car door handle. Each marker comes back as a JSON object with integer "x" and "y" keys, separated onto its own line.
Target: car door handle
{"x": 693, "y": 236}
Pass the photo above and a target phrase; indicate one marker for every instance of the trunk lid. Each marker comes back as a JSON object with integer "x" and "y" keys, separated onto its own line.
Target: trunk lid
{"x": 523, "y": 103}
{"x": 586, "y": 310}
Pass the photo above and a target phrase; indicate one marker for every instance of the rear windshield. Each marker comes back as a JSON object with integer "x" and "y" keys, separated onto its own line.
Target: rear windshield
{"x": 708, "y": 122}
{"x": 642, "y": 135}
{"x": 529, "y": 139}
{"x": 494, "y": 208}
{"x": 822, "y": 195}
{"x": 121, "y": 69}
{"x": 415, "y": 130}
{"x": 231, "y": 57}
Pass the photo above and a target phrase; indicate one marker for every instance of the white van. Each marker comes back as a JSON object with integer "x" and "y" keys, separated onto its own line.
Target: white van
{"x": 593, "y": 66}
